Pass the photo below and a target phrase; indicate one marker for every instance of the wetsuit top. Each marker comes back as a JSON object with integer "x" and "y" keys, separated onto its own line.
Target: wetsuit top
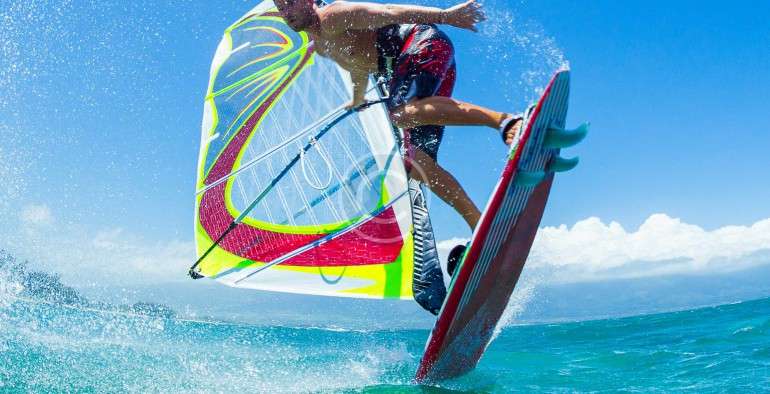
{"x": 390, "y": 42}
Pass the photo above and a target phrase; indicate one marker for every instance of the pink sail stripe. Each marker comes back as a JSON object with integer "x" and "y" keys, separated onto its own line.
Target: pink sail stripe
{"x": 377, "y": 241}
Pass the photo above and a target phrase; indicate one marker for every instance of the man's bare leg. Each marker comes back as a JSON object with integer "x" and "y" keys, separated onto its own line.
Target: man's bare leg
{"x": 444, "y": 185}
{"x": 446, "y": 111}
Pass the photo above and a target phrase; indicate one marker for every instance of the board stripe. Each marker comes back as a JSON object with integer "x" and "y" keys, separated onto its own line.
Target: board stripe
{"x": 516, "y": 197}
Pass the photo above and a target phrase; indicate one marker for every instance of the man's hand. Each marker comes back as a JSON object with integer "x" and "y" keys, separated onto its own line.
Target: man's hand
{"x": 465, "y": 15}
{"x": 353, "y": 104}
{"x": 360, "y": 81}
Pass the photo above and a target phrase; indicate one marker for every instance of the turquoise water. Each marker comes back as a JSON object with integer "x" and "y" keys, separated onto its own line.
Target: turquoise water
{"x": 48, "y": 347}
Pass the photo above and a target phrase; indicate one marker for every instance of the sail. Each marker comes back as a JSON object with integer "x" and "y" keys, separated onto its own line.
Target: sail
{"x": 316, "y": 196}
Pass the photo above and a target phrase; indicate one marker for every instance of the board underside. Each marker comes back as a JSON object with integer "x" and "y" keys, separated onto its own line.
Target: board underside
{"x": 487, "y": 276}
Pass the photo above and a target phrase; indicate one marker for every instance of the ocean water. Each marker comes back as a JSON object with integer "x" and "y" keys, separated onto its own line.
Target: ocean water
{"x": 63, "y": 343}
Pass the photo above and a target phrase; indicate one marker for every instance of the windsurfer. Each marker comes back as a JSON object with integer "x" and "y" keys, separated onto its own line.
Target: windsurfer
{"x": 403, "y": 43}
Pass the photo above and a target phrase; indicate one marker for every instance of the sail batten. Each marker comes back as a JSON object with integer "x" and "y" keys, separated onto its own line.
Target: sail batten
{"x": 295, "y": 193}
{"x": 313, "y": 244}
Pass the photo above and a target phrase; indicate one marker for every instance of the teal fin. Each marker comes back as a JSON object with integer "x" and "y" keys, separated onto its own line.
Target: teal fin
{"x": 528, "y": 178}
{"x": 557, "y": 137}
{"x": 560, "y": 164}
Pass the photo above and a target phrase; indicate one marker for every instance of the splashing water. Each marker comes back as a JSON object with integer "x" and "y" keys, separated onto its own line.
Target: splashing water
{"x": 51, "y": 346}
{"x": 511, "y": 46}
{"x": 12, "y": 169}
{"x": 525, "y": 291}
{"x": 10, "y": 286}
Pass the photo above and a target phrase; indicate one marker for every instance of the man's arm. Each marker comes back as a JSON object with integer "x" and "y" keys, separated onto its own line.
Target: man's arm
{"x": 360, "y": 82}
{"x": 343, "y": 15}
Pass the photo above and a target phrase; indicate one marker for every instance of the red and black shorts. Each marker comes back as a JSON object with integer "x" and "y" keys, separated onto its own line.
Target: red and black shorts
{"x": 424, "y": 68}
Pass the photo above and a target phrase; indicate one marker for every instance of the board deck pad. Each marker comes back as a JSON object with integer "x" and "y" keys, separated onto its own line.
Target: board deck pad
{"x": 487, "y": 274}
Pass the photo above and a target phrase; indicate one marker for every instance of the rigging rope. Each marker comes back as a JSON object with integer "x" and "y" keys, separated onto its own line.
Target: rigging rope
{"x": 302, "y": 153}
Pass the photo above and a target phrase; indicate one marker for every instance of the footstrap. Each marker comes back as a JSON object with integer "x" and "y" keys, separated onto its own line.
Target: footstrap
{"x": 507, "y": 123}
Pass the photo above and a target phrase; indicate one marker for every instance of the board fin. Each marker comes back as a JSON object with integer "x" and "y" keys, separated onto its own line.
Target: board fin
{"x": 529, "y": 178}
{"x": 560, "y": 164}
{"x": 557, "y": 137}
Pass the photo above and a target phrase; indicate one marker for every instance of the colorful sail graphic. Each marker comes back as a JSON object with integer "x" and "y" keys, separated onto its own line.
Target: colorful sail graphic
{"x": 337, "y": 221}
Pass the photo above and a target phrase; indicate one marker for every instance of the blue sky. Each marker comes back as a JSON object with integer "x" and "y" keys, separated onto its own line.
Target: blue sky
{"x": 102, "y": 107}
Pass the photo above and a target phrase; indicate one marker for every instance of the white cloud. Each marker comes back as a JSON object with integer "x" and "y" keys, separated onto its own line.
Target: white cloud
{"x": 142, "y": 258}
{"x": 592, "y": 250}
{"x": 36, "y": 215}
{"x": 106, "y": 257}
{"x": 587, "y": 251}
{"x": 661, "y": 245}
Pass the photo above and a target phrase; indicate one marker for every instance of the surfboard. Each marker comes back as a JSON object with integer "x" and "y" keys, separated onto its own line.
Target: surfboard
{"x": 485, "y": 278}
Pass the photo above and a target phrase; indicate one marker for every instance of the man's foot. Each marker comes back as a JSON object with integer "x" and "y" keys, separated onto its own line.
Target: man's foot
{"x": 511, "y": 126}
{"x": 454, "y": 258}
